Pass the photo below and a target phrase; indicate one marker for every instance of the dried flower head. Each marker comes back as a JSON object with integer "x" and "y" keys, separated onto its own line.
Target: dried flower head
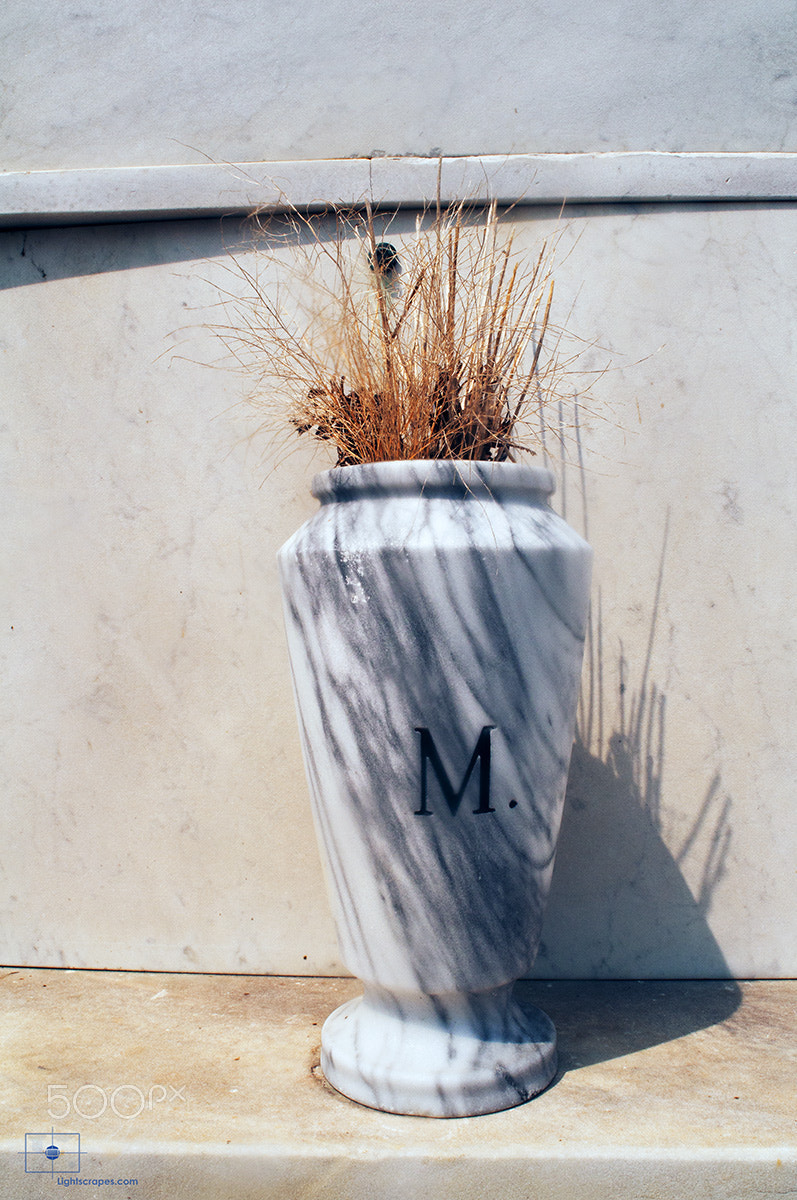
{"x": 417, "y": 347}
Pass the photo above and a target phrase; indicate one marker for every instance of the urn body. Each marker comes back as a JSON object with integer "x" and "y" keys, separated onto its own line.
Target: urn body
{"x": 435, "y": 615}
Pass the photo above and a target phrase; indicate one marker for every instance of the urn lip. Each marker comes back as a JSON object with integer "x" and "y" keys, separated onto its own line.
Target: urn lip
{"x": 454, "y": 477}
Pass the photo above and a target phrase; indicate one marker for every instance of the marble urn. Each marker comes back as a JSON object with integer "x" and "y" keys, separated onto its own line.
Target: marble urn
{"x": 435, "y": 615}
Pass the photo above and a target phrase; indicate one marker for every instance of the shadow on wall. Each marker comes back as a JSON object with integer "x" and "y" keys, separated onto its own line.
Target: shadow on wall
{"x": 619, "y": 905}
{"x": 75, "y": 251}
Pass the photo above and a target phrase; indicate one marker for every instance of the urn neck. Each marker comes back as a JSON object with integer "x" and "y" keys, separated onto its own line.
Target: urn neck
{"x": 452, "y": 477}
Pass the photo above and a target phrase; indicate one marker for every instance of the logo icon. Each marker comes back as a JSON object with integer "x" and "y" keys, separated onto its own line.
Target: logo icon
{"x": 47, "y": 1152}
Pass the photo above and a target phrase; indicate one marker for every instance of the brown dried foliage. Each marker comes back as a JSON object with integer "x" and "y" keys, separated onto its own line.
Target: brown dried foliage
{"x": 429, "y": 346}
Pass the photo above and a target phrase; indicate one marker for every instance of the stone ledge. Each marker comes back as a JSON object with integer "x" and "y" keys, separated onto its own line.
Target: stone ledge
{"x": 137, "y": 193}
{"x": 207, "y": 1086}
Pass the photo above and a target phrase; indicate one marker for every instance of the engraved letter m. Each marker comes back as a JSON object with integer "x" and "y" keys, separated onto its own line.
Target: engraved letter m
{"x": 429, "y": 754}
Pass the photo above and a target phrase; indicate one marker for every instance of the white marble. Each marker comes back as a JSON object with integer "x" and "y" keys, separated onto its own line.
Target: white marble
{"x": 436, "y": 615}
{"x": 83, "y": 196}
{"x": 136, "y": 84}
{"x": 665, "y": 1090}
{"x": 453, "y": 1055}
{"x": 155, "y": 812}
{"x": 151, "y": 773}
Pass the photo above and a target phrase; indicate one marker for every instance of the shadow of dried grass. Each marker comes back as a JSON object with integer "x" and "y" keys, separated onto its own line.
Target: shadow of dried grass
{"x": 620, "y": 908}
{"x": 619, "y": 905}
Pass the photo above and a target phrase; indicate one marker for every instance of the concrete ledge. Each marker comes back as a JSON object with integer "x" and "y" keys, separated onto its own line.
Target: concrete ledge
{"x": 33, "y": 198}
{"x": 208, "y": 1086}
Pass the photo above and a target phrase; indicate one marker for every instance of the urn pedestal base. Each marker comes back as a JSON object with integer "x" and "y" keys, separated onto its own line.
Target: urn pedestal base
{"x": 450, "y": 1055}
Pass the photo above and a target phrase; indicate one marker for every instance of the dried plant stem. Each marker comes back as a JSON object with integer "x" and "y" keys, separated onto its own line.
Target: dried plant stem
{"x": 429, "y": 349}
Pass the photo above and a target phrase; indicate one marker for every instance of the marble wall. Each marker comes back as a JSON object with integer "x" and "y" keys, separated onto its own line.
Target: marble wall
{"x": 108, "y": 84}
{"x": 155, "y": 813}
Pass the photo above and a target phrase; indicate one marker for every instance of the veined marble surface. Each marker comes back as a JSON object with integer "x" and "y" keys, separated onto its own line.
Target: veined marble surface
{"x": 436, "y": 615}
{"x": 155, "y": 813}
{"x": 137, "y": 84}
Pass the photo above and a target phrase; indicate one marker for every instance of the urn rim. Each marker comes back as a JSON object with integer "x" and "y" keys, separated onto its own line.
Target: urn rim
{"x": 460, "y": 477}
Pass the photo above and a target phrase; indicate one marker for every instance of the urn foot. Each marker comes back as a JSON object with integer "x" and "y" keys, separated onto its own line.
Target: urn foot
{"x": 452, "y": 1055}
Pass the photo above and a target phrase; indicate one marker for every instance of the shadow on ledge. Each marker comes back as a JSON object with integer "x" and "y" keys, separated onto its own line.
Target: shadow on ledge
{"x": 598, "y": 1020}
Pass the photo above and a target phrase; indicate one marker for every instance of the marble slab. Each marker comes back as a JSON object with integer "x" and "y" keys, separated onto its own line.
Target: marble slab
{"x": 129, "y": 85}
{"x": 202, "y": 1086}
{"x": 156, "y": 814}
{"x": 84, "y": 196}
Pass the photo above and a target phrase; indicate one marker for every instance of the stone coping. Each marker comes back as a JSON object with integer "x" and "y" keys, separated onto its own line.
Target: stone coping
{"x": 33, "y": 198}
{"x": 207, "y": 1086}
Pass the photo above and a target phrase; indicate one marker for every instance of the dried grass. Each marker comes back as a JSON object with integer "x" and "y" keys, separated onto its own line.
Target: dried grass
{"x": 435, "y": 345}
